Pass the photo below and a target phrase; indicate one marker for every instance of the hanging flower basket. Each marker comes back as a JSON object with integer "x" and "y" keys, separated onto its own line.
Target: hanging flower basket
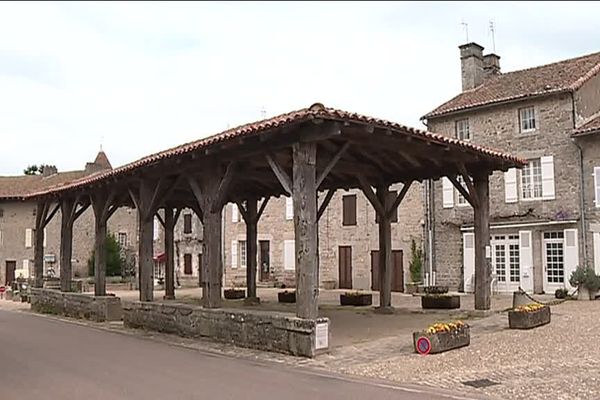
{"x": 529, "y": 316}
{"x": 442, "y": 337}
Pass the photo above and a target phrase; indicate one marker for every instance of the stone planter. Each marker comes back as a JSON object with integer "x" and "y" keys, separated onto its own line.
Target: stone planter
{"x": 329, "y": 285}
{"x": 234, "y": 294}
{"x": 432, "y": 343}
{"x": 445, "y": 302}
{"x": 412, "y": 288}
{"x": 286, "y": 297}
{"x": 584, "y": 293}
{"x": 528, "y": 320}
{"x": 361, "y": 299}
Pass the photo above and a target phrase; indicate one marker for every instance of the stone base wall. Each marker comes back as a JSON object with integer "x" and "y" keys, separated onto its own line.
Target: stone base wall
{"x": 271, "y": 331}
{"x": 77, "y": 305}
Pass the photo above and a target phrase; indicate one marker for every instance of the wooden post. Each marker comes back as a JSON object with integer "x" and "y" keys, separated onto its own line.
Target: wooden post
{"x": 304, "y": 196}
{"x": 170, "y": 221}
{"x": 38, "y": 245}
{"x": 146, "y": 249}
{"x": 482, "y": 241}
{"x": 385, "y": 250}
{"x": 251, "y": 246}
{"x": 67, "y": 208}
{"x": 101, "y": 204}
{"x": 212, "y": 258}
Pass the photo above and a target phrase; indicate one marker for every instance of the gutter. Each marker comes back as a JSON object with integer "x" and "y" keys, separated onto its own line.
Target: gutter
{"x": 582, "y": 187}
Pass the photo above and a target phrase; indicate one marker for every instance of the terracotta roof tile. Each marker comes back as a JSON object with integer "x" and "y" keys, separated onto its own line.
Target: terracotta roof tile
{"x": 563, "y": 76}
{"x": 590, "y": 127}
{"x": 16, "y": 187}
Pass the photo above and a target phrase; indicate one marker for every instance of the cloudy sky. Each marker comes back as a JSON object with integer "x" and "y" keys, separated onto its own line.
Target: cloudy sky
{"x": 141, "y": 77}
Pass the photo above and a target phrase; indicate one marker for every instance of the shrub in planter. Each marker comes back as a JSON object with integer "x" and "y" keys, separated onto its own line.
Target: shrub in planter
{"x": 442, "y": 337}
{"x": 234, "y": 294}
{"x": 435, "y": 289}
{"x": 586, "y": 281}
{"x": 415, "y": 268}
{"x": 356, "y": 299}
{"x": 561, "y": 293}
{"x": 286, "y": 297}
{"x": 440, "y": 301}
{"x": 528, "y": 316}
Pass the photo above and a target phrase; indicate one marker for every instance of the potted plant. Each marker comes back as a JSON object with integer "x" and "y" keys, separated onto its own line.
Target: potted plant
{"x": 286, "y": 296}
{"x": 442, "y": 337}
{"x": 233, "y": 293}
{"x": 561, "y": 293}
{"x": 528, "y": 316}
{"x": 415, "y": 268}
{"x": 586, "y": 281}
{"x": 356, "y": 299}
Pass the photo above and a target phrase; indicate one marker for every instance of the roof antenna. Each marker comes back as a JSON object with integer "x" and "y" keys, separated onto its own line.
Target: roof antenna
{"x": 466, "y": 29}
{"x": 493, "y": 33}
{"x": 101, "y": 140}
{"x": 263, "y": 112}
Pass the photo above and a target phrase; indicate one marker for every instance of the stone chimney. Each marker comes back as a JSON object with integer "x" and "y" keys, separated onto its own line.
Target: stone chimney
{"x": 49, "y": 170}
{"x": 491, "y": 64}
{"x": 471, "y": 65}
{"x": 100, "y": 163}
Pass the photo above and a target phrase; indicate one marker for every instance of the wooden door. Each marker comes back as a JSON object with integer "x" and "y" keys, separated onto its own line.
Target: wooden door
{"x": 187, "y": 264}
{"x": 265, "y": 263}
{"x": 10, "y": 272}
{"x": 200, "y": 270}
{"x": 397, "y": 271}
{"x": 345, "y": 265}
{"x": 375, "y": 270}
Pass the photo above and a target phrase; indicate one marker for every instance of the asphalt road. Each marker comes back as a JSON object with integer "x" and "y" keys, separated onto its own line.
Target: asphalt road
{"x": 43, "y": 358}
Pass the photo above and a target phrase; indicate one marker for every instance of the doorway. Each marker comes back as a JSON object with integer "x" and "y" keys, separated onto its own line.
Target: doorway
{"x": 397, "y": 270}
{"x": 554, "y": 260}
{"x": 10, "y": 272}
{"x": 264, "y": 260}
{"x": 506, "y": 262}
{"x": 345, "y": 267}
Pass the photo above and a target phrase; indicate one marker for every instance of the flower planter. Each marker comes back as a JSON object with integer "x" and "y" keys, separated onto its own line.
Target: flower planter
{"x": 234, "y": 294}
{"x": 286, "y": 297}
{"x": 445, "y": 302}
{"x": 432, "y": 343}
{"x": 530, "y": 319}
{"x": 412, "y": 288}
{"x": 361, "y": 299}
{"x": 435, "y": 289}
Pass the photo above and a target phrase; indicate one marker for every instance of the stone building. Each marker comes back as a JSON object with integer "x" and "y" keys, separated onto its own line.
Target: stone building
{"x": 544, "y": 218}
{"x": 17, "y": 223}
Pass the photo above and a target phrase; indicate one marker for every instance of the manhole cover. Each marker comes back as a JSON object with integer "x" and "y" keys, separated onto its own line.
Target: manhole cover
{"x": 480, "y": 383}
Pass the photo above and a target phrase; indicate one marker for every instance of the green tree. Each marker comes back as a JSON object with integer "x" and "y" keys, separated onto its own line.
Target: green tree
{"x": 416, "y": 262}
{"x": 36, "y": 169}
{"x": 114, "y": 262}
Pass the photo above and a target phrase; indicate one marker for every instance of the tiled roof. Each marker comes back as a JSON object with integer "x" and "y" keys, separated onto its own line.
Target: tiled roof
{"x": 563, "y": 76}
{"x": 17, "y": 187}
{"x": 592, "y": 126}
{"x": 315, "y": 111}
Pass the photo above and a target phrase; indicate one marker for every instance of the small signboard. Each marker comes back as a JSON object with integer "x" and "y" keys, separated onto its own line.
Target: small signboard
{"x": 322, "y": 336}
{"x": 423, "y": 345}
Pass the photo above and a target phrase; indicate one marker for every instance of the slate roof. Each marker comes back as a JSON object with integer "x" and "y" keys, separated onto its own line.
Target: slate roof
{"x": 562, "y": 76}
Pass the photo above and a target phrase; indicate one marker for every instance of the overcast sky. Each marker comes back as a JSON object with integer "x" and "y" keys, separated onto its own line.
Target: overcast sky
{"x": 141, "y": 77}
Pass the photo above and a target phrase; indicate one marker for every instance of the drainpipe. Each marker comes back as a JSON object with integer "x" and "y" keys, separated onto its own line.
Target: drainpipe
{"x": 428, "y": 194}
{"x": 582, "y": 186}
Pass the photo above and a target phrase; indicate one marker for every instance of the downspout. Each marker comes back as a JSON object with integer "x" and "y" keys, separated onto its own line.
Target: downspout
{"x": 582, "y": 187}
{"x": 429, "y": 226}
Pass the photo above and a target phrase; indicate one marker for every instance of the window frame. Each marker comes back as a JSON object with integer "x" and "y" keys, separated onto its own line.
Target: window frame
{"x": 533, "y": 182}
{"x": 187, "y": 217}
{"x": 242, "y": 249}
{"x": 596, "y": 177}
{"x": 531, "y": 118}
{"x": 345, "y": 199}
{"x": 462, "y": 123}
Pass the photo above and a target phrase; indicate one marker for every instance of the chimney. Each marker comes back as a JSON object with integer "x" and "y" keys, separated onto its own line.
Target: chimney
{"x": 491, "y": 64}
{"x": 471, "y": 65}
{"x": 49, "y": 170}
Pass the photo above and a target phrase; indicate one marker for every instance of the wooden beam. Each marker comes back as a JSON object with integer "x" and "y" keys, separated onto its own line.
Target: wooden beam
{"x": 224, "y": 187}
{"x": 152, "y": 204}
{"x": 242, "y": 211}
{"x": 368, "y": 191}
{"x": 263, "y": 205}
{"x": 325, "y": 203}
{"x": 280, "y": 173}
{"x": 112, "y": 209}
{"x": 48, "y": 218}
{"x": 160, "y": 219}
{"x": 196, "y": 189}
{"x": 332, "y": 163}
{"x": 462, "y": 190}
{"x": 81, "y": 210}
{"x": 468, "y": 181}
{"x": 398, "y": 199}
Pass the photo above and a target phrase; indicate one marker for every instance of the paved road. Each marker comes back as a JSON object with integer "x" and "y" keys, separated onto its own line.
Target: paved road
{"x": 44, "y": 358}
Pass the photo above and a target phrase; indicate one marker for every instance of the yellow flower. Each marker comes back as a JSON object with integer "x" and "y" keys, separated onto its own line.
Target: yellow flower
{"x": 529, "y": 307}
{"x": 445, "y": 327}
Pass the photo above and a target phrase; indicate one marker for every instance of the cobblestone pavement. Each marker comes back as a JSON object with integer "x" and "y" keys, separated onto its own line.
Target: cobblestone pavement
{"x": 559, "y": 361}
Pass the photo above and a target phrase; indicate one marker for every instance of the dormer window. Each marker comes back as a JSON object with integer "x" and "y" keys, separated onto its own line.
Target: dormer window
{"x": 462, "y": 129}
{"x": 527, "y": 119}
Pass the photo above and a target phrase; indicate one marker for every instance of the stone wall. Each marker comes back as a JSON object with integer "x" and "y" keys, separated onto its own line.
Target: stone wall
{"x": 76, "y": 305}
{"x": 591, "y": 159}
{"x": 271, "y": 331}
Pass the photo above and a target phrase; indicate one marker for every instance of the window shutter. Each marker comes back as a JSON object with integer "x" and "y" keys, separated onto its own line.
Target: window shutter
{"x": 547, "y": 164}
{"x": 234, "y": 253}
{"x": 447, "y": 193}
{"x": 525, "y": 261}
{"x": 597, "y": 252}
{"x": 289, "y": 255}
{"x": 26, "y": 267}
{"x": 510, "y": 186}
{"x": 597, "y": 185}
{"x": 234, "y": 213}
{"x": 155, "y": 229}
{"x": 44, "y": 237}
{"x": 289, "y": 208}
{"x": 469, "y": 262}
{"x": 28, "y": 237}
{"x": 571, "y": 253}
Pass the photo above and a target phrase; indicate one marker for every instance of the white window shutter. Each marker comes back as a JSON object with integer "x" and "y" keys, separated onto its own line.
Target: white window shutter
{"x": 571, "y": 253}
{"x": 510, "y": 186}
{"x": 26, "y": 268}
{"x": 547, "y": 164}
{"x": 234, "y": 213}
{"x": 28, "y": 237}
{"x": 597, "y": 185}
{"x": 289, "y": 208}
{"x": 526, "y": 261}
{"x": 289, "y": 255}
{"x": 597, "y": 252}
{"x": 234, "y": 253}
{"x": 469, "y": 261}
{"x": 44, "y": 237}
{"x": 447, "y": 193}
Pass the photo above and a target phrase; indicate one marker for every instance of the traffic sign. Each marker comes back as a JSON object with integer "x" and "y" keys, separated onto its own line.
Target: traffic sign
{"x": 423, "y": 345}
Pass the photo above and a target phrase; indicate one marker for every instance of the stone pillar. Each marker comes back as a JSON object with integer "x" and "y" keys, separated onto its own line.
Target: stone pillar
{"x": 169, "y": 254}
{"x": 251, "y": 246}
{"x": 305, "y": 227}
{"x": 38, "y": 245}
{"x": 67, "y": 208}
{"x": 385, "y": 250}
{"x": 482, "y": 241}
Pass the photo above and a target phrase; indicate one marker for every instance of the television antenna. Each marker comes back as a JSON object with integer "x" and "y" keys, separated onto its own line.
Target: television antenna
{"x": 492, "y": 27}
{"x": 263, "y": 112}
{"x": 465, "y": 27}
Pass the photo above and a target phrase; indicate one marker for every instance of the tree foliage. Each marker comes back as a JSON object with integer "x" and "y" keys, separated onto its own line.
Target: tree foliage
{"x": 114, "y": 259}
{"x": 416, "y": 262}
{"x": 36, "y": 169}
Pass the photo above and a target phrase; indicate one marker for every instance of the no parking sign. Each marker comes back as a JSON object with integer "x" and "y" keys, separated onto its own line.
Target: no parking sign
{"x": 423, "y": 345}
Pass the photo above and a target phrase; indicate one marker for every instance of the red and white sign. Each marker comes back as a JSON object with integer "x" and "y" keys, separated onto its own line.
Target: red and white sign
{"x": 2, "y": 289}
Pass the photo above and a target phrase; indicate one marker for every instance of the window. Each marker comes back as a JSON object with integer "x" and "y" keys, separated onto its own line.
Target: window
{"x": 28, "y": 237}
{"x": 289, "y": 208}
{"x": 289, "y": 255}
{"x": 242, "y": 244}
{"x": 349, "y": 210}
{"x": 531, "y": 180}
{"x": 462, "y": 129}
{"x": 122, "y": 238}
{"x": 597, "y": 185}
{"x": 187, "y": 264}
{"x": 187, "y": 223}
{"x": 527, "y": 119}
{"x": 460, "y": 199}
